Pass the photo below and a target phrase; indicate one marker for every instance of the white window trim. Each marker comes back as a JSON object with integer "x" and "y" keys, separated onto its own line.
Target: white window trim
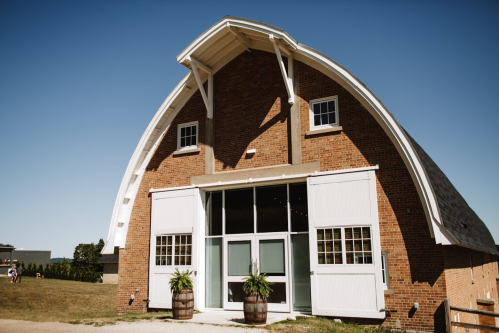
{"x": 173, "y": 235}
{"x": 191, "y": 147}
{"x": 384, "y": 259}
{"x": 311, "y": 113}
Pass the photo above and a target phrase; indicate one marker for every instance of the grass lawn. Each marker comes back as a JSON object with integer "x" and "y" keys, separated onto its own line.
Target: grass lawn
{"x": 95, "y": 304}
{"x": 61, "y": 300}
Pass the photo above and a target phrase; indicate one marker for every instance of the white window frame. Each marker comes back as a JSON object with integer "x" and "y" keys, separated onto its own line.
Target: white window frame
{"x": 179, "y": 127}
{"x": 311, "y": 113}
{"x": 174, "y": 236}
{"x": 344, "y": 251}
{"x": 384, "y": 270}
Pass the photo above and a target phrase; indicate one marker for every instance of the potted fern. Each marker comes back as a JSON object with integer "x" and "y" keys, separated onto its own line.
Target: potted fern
{"x": 182, "y": 295}
{"x": 256, "y": 290}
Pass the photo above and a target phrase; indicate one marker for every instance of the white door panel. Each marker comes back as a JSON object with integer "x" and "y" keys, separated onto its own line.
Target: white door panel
{"x": 344, "y": 201}
{"x": 172, "y": 213}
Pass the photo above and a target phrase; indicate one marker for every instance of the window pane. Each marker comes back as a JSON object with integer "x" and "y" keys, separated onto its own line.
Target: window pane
{"x": 188, "y": 141}
{"x": 188, "y": 131}
{"x": 278, "y": 294}
{"x": 214, "y": 277}
{"x": 317, "y": 108}
{"x": 214, "y": 213}
{"x": 239, "y": 258}
{"x": 239, "y": 217}
{"x": 298, "y": 207}
{"x": 272, "y": 257}
{"x": 324, "y": 107}
{"x": 300, "y": 269}
{"x": 182, "y": 132}
{"x": 193, "y": 130}
{"x": 331, "y": 106}
{"x": 320, "y": 234}
{"x": 332, "y": 118}
{"x": 272, "y": 208}
{"x": 235, "y": 292}
{"x": 182, "y": 142}
{"x": 324, "y": 120}
{"x": 317, "y": 120}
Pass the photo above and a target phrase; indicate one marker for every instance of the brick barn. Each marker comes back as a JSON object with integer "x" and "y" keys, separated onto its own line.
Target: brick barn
{"x": 269, "y": 155}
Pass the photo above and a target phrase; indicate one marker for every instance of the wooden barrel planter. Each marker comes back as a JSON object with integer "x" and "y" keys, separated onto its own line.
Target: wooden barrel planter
{"x": 255, "y": 310}
{"x": 183, "y": 304}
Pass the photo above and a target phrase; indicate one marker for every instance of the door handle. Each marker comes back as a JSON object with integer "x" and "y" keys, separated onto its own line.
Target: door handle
{"x": 311, "y": 272}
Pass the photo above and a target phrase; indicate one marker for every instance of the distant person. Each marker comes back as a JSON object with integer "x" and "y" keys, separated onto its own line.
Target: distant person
{"x": 19, "y": 274}
{"x": 13, "y": 274}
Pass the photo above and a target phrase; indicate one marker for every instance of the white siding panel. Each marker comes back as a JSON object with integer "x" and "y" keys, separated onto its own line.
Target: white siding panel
{"x": 162, "y": 295}
{"x": 346, "y": 292}
{"x": 173, "y": 213}
{"x": 346, "y": 200}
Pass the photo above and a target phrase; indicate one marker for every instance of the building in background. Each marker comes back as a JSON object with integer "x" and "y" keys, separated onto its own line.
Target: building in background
{"x": 7, "y": 259}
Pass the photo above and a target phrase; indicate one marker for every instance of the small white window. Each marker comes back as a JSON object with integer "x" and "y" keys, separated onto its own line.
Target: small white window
{"x": 324, "y": 113}
{"x": 187, "y": 136}
{"x": 384, "y": 270}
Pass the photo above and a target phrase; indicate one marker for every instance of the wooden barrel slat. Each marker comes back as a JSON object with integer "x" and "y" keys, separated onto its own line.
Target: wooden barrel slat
{"x": 183, "y": 304}
{"x": 255, "y": 310}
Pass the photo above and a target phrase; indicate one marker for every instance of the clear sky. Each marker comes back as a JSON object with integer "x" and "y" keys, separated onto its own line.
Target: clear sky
{"x": 80, "y": 81}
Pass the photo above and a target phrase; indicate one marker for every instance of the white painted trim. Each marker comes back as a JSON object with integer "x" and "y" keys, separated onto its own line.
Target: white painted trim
{"x": 311, "y": 116}
{"x": 173, "y": 231}
{"x": 191, "y": 147}
{"x": 267, "y": 179}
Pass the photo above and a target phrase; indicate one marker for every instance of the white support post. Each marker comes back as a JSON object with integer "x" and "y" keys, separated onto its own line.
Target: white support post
{"x": 207, "y": 99}
{"x": 288, "y": 80}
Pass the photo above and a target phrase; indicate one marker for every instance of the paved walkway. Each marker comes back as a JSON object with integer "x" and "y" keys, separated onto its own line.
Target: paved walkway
{"x": 149, "y": 326}
{"x": 210, "y": 321}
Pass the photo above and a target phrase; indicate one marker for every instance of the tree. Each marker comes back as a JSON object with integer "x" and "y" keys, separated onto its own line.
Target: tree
{"x": 86, "y": 256}
{"x": 8, "y": 245}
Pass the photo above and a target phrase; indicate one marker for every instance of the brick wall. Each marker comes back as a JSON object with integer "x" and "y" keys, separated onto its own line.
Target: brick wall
{"x": 466, "y": 285}
{"x": 164, "y": 170}
{"x": 251, "y": 112}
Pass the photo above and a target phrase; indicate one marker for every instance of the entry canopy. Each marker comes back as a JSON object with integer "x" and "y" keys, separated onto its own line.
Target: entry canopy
{"x": 450, "y": 219}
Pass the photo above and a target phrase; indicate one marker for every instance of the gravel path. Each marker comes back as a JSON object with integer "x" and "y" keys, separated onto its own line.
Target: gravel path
{"x": 149, "y": 326}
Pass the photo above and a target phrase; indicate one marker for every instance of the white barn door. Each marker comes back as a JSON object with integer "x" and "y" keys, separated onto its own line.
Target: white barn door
{"x": 174, "y": 241}
{"x": 345, "y": 254}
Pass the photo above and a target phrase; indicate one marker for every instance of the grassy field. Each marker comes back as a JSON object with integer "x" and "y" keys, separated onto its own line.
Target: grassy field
{"x": 61, "y": 300}
{"x": 95, "y": 303}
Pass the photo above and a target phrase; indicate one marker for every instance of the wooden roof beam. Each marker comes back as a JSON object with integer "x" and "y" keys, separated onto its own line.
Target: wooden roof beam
{"x": 239, "y": 38}
{"x": 207, "y": 97}
{"x": 287, "y": 76}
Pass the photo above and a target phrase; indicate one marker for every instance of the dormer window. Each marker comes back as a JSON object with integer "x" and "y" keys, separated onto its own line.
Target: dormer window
{"x": 324, "y": 113}
{"x": 187, "y": 136}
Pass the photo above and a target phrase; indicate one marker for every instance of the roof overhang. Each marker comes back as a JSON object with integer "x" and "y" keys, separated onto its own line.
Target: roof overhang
{"x": 209, "y": 53}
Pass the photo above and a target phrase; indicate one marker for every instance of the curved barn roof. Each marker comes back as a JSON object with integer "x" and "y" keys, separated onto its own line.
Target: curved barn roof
{"x": 450, "y": 219}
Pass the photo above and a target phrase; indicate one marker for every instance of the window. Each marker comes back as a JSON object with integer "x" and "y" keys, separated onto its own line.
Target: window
{"x": 344, "y": 245}
{"x": 173, "y": 250}
{"x": 187, "y": 136}
{"x": 324, "y": 113}
{"x": 384, "y": 270}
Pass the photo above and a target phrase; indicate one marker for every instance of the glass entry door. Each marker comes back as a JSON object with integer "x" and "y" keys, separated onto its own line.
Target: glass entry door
{"x": 263, "y": 253}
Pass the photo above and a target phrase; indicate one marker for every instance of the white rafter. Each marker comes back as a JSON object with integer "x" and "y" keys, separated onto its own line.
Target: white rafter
{"x": 239, "y": 38}
{"x": 207, "y": 98}
{"x": 288, "y": 78}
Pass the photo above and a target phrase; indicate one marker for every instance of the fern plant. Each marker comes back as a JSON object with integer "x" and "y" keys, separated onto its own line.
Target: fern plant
{"x": 180, "y": 280}
{"x": 257, "y": 284}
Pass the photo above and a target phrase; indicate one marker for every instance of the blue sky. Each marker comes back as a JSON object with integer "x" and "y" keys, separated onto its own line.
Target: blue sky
{"x": 80, "y": 81}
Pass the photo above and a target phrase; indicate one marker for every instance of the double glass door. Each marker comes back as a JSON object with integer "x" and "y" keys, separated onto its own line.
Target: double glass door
{"x": 259, "y": 253}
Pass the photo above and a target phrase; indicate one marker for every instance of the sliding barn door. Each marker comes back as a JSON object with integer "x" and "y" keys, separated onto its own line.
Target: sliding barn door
{"x": 174, "y": 216}
{"x": 345, "y": 252}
